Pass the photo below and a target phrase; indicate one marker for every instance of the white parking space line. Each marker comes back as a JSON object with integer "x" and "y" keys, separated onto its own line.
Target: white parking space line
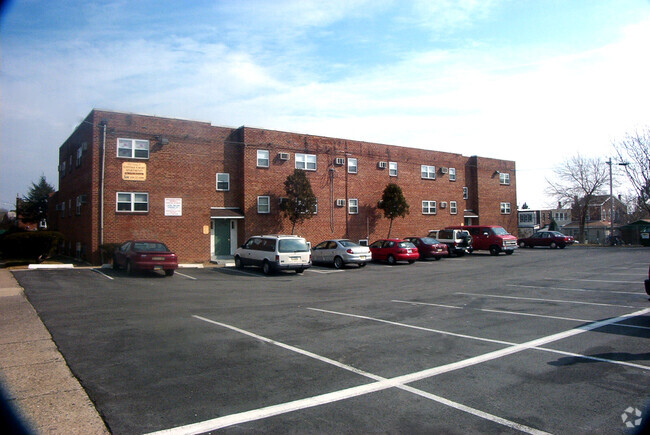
{"x": 102, "y": 274}
{"x": 382, "y": 383}
{"x": 573, "y": 289}
{"x": 544, "y": 300}
{"x": 427, "y": 303}
{"x": 324, "y": 271}
{"x": 591, "y": 280}
{"x": 186, "y": 276}
{"x": 613, "y": 322}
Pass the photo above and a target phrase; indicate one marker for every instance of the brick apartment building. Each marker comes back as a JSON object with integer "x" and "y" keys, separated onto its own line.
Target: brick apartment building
{"x": 204, "y": 189}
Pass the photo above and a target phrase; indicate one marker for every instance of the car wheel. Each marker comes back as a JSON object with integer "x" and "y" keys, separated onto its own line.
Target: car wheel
{"x": 459, "y": 254}
{"x": 266, "y": 268}
{"x": 298, "y": 271}
{"x": 238, "y": 264}
{"x": 115, "y": 265}
{"x": 391, "y": 260}
{"x": 553, "y": 245}
{"x": 437, "y": 258}
{"x": 562, "y": 246}
{"x": 338, "y": 262}
{"x": 411, "y": 261}
{"x": 129, "y": 268}
{"x": 494, "y": 250}
{"x": 510, "y": 252}
{"x": 169, "y": 272}
{"x": 362, "y": 264}
{"x": 522, "y": 244}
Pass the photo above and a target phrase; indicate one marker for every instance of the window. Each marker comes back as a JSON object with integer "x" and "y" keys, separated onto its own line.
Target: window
{"x": 504, "y": 178}
{"x": 453, "y": 207}
{"x": 79, "y": 202}
{"x": 223, "y": 181}
{"x": 63, "y": 169}
{"x": 505, "y": 208}
{"x": 428, "y": 172}
{"x": 306, "y": 162}
{"x": 452, "y": 174}
{"x": 353, "y": 206}
{"x": 70, "y": 164}
{"x": 79, "y": 154}
{"x": 465, "y": 193}
{"x": 263, "y": 158}
{"x": 352, "y": 166}
{"x": 133, "y": 148}
{"x": 132, "y": 202}
{"x": 263, "y": 204}
{"x": 392, "y": 169}
{"x": 61, "y": 208}
{"x": 429, "y": 207}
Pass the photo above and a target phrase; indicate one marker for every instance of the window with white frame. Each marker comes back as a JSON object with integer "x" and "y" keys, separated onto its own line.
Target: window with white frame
{"x": 504, "y": 178}
{"x": 132, "y": 202}
{"x": 465, "y": 193}
{"x": 223, "y": 181}
{"x": 452, "y": 174}
{"x": 79, "y": 154}
{"x": 352, "y": 166}
{"x": 428, "y": 172}
{"x": 353, "y": 206}
{"x": 429, "y": 207}
{"x": 133, "y": 148}
{"x": 505, "y": 208}
{"x": 392, "y": 169}
{"x": 306, "y": 162}
{"x": 263, "y": 204}
{"x": 263, "y": 158}
{"x": 453, "y": 207}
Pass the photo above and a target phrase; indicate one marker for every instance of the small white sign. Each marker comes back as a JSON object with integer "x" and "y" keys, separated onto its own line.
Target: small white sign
{"x": 173, "y": 206}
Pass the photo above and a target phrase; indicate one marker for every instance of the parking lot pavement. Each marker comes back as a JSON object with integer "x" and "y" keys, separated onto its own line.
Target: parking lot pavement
{"x": 543, "y": 341}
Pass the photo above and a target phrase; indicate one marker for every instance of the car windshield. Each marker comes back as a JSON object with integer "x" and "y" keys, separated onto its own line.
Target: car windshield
{"x": 500, "y": 231}
{"x": 348, "y": 244}
{"x": 293, "y": 245}
{"x": 429, "y": 241}
{"x": 406, "y": 245}
{"x": 150, "y": 247}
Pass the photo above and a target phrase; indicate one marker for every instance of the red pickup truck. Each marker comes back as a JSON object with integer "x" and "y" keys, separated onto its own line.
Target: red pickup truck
{"x": 491, "y": 238}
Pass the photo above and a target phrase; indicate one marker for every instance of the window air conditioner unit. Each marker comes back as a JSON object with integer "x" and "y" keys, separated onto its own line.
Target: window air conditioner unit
{"x": 382, "y": 165}
{"x": 339, "y": 161}
{"x": 444, "y": 170}
{"x": 283, "y": 156}
{"x": 340, "y": 202}
{"x": 443, "y": 204}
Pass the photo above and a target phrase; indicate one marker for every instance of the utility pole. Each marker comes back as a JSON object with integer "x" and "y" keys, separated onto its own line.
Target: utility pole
{"x": 611, "y": 200}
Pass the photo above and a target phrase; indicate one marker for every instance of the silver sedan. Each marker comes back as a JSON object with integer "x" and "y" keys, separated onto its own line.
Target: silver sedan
{"x": 340, "y": 252}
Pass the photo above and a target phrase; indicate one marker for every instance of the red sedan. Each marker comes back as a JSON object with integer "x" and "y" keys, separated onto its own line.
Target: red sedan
{"x": 145, "y": 255}
{"x": 428, "y": 247}
{"x": 552, "y": 239}
{"x": 394, "y": 250}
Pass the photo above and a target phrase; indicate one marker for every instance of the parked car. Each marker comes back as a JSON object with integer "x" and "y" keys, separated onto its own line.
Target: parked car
{"x": 647, "y": 283}
{"x": 428, "y": 247}
{"x": 145, "y": 255}
{"x": 553, "y": 239}
{"x": 394, "y": 250}
{"x": 493, "y": 238}
{"x": 458, "y": 242}
{"x": 340, "y": 252}
{"x": 274, "y": 252}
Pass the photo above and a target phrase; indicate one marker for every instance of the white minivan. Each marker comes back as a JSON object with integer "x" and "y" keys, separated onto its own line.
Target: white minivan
{"x": 275, "y": 252}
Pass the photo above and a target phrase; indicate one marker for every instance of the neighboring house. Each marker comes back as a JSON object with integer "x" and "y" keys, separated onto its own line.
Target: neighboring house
{"x": 204, "y": 189}
{"x": 530, "y": 220}
{"x": 598, "y": 223}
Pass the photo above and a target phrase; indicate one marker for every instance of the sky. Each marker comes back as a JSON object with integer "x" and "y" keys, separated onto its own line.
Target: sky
{"x": 531, "y": 81}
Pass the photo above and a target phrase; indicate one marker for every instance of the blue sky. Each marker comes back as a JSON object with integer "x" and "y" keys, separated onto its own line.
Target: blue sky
{"x": 530, "y": 81}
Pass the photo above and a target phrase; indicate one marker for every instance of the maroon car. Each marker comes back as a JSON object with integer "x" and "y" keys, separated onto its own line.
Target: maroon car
{"x": 428, "y": 247}
{"x": 552, "y": 239}
{"x": 394, "y": 250}
{"x": 145, "y": 255}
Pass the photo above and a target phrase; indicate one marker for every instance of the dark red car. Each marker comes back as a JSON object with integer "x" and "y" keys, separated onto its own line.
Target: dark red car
{"x": 428, "y": 247}
{"x": 394, "y": 250}
{"x": 145, "y": 255}
{"x": 552, "y": 239}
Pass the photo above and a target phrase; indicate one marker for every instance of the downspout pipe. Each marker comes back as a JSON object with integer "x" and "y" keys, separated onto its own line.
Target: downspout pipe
{"x": 101, "y": 189}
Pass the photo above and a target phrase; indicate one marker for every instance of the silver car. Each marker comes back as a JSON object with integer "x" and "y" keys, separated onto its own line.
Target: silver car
{"x": 340, "y": 252}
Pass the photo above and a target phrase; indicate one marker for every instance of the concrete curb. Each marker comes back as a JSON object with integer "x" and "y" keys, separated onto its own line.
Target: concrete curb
{"x": 35, "y": 377}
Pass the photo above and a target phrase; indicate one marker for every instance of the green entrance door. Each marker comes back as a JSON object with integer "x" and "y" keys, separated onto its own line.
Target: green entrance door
{"x": 221, "y": 237}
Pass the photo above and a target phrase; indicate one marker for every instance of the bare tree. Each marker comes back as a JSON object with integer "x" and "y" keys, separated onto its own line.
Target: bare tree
{"x": 576, "y": 181}
{"x": 635, "y": 150}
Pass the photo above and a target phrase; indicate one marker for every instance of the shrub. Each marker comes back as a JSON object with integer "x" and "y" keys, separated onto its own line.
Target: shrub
{"x": 107, "y": 250}
{"x": 36, "y": 245}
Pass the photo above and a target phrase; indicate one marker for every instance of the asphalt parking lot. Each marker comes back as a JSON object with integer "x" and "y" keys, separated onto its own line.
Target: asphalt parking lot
{"x": 543, "y": 341}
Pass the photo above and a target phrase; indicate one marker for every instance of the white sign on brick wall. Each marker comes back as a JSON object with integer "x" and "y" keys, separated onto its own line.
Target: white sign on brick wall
{"x": 173, "y": 206}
